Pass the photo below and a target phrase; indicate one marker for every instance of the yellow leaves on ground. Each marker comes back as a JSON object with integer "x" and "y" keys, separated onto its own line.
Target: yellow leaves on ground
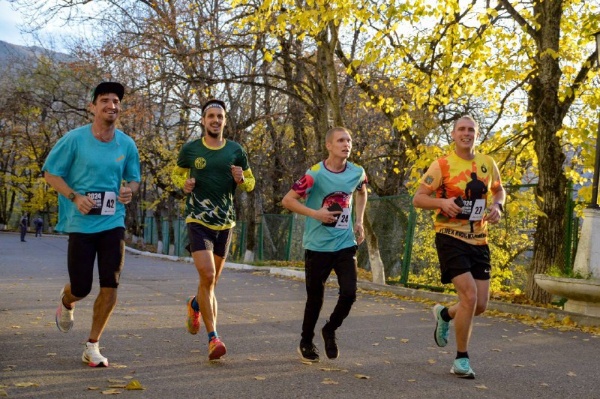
{"x": 115, "y": 386}
{"x": 26, "y": 384}
{"x": 134, "y": 385}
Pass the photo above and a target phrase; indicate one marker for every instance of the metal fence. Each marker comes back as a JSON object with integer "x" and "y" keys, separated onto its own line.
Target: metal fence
{"x": 405, "y": 236}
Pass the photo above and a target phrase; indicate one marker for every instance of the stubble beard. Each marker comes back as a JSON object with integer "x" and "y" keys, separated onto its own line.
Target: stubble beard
{"x": 214, "y": 135}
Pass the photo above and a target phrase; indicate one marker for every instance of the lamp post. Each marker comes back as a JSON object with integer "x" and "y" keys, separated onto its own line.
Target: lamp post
{"x": 594, "y": 203}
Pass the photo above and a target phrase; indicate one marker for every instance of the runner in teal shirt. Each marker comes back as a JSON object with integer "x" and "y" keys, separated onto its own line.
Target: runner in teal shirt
{"x": 330, "y": 237}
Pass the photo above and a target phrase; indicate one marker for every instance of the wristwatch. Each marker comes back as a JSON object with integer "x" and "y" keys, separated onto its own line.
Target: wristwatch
{"x": 72, "y": 196}
{"x": 499, "y": 206}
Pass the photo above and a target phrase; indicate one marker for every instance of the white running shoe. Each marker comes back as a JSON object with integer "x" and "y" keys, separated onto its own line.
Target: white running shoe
{"x": 64, "y": 317}
{"x": 91, "y": 355}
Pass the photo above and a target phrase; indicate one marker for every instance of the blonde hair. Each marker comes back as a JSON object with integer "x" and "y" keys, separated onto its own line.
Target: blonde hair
{"x": 330, "y": 132}
{"x": 468, "y": 117}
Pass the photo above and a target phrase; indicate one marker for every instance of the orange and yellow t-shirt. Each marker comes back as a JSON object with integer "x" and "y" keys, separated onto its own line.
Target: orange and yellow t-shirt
{"x": 473, "y": 180}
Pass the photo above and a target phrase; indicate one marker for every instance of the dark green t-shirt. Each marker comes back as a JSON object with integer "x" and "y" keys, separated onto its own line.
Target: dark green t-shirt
{"x": 211, "y": 201}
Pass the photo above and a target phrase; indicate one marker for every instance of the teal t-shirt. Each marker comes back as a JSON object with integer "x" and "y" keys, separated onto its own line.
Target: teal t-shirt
{"x": 322, "y": 187}
{"x": 211, "y": 201}
{"x": 88, "y": 165}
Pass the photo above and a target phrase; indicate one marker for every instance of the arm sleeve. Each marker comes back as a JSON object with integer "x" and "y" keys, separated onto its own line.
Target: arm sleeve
{"x": 249, "y": 181}
{"x": 179, "y": 175}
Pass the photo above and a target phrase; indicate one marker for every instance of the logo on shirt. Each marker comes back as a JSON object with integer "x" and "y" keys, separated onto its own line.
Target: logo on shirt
{"x": 200, "y": 163}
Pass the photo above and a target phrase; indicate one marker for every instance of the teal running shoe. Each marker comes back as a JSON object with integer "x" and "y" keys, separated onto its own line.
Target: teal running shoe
{"x": 462, "y": 369}
{"x": 441, "y": 327}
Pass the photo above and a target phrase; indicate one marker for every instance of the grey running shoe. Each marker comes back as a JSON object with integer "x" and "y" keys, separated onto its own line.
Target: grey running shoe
{"x": 64, "y": 317}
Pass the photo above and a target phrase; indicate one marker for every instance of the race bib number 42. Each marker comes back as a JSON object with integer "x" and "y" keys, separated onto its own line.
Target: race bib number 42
{"x": 105, "y": 202}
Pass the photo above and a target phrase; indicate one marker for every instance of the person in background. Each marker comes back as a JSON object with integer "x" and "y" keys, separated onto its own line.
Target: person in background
{"x": 462, "y": 182}
{"x": 23, "y": 224}
{"x": 330, "y": 236}
{"x": 96, "y": 171}
{"x": 209, "y": 170}
{"x": 38, "y": 222}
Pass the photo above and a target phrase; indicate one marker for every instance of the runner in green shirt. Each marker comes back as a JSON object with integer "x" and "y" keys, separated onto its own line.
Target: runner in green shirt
{"x": 209, "y": 170}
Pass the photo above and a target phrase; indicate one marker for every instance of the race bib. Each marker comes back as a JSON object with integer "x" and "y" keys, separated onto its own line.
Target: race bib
{"x": 105, "y": 202}
{"x": 343, "y": 220}
{"x": 477, "y": 210}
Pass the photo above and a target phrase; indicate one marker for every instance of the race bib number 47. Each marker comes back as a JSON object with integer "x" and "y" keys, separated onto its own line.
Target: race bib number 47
{"x": 105, "y": 202}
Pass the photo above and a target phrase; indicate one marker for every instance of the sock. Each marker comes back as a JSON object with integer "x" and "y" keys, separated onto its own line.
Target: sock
{"x": 212, "y": 335}
{"x": 195, "y": 305}
{"x": 445, "y": 315}
{"x": 92, "y": 341}
{"x": 460, "y": 355}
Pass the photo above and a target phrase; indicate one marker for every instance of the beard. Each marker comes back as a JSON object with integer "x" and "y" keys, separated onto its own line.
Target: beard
{"x": 214, "y": 135}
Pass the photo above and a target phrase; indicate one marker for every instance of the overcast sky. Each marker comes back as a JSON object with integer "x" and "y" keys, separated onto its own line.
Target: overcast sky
{"x": 8, "y": 24}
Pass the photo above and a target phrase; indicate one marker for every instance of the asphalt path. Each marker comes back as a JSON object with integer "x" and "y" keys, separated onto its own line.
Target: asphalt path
{"x": 386, "y": 344}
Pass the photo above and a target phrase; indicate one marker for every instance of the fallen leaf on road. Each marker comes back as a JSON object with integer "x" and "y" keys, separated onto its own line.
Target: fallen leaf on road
{"x": 113, "y": 381}
{"x": 93, "y": 388}
{"x": 376, "y": 344}
{"x": 332, "y": 369}
{"x": 3, "y": 393}
{"x": 252, "y": 359}
{"x": 362, "y": 376}
{"x": 117, "y": 366}
{"x": 111, "y": 392}
{"x": 134, "y": 385}
{"x": 260, "y": 378}
{"x": 26, "y": 384}
{"x": 481, "y": 387}
{"x": 432, "y": 361}
{"x": 496, "y": 350}
{"x": 390, "y": 337}
{"x": 404, "y": 340}
{"x": 412, "y": 380}
{"x": 328, "y": 381}
{"x": 571, "y": 374}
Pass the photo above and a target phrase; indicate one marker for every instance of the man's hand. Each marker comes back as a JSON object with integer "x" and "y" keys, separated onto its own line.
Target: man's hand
{"x": 359, "y": 233}
{"x": 83, "y": 203}
{"x": 189, "y": 185}
{"x": 326, "y": 216}
{"x": 125, "y": 195}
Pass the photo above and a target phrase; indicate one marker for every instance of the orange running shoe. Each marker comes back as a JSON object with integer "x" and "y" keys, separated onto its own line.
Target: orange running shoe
{"x": 193, "y": 318}
{"x": 216, "y": 349}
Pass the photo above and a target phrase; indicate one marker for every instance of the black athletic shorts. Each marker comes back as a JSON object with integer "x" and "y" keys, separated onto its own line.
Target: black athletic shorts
{"x": 109, "y": 246}
{"x": 204, "y": 239}
{"x": 457, "y": 257}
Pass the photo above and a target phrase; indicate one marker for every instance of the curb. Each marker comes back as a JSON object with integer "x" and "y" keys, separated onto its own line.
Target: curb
{"x": 504, "y": 307}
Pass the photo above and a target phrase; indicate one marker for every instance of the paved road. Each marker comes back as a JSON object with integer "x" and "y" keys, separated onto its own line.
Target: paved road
{"x": 385, "y": 341}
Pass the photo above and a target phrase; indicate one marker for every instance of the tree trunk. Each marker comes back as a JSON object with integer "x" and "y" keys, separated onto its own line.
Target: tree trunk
{"x": 547, "y": 113}
{"x": 377, "y": 268}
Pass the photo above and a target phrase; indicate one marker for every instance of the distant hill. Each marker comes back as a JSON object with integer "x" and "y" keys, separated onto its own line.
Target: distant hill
{"x": 11, "y": 54}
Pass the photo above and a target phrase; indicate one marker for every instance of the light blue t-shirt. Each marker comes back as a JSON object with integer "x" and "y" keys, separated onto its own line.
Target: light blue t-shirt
{"x": 320, "y": 187}
{"x": 90, "y": 166}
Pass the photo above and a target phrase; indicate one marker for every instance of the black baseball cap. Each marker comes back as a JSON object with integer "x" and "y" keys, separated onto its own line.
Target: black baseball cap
{"x": 215, "y": 103}
{"x": 108, "y": 87}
